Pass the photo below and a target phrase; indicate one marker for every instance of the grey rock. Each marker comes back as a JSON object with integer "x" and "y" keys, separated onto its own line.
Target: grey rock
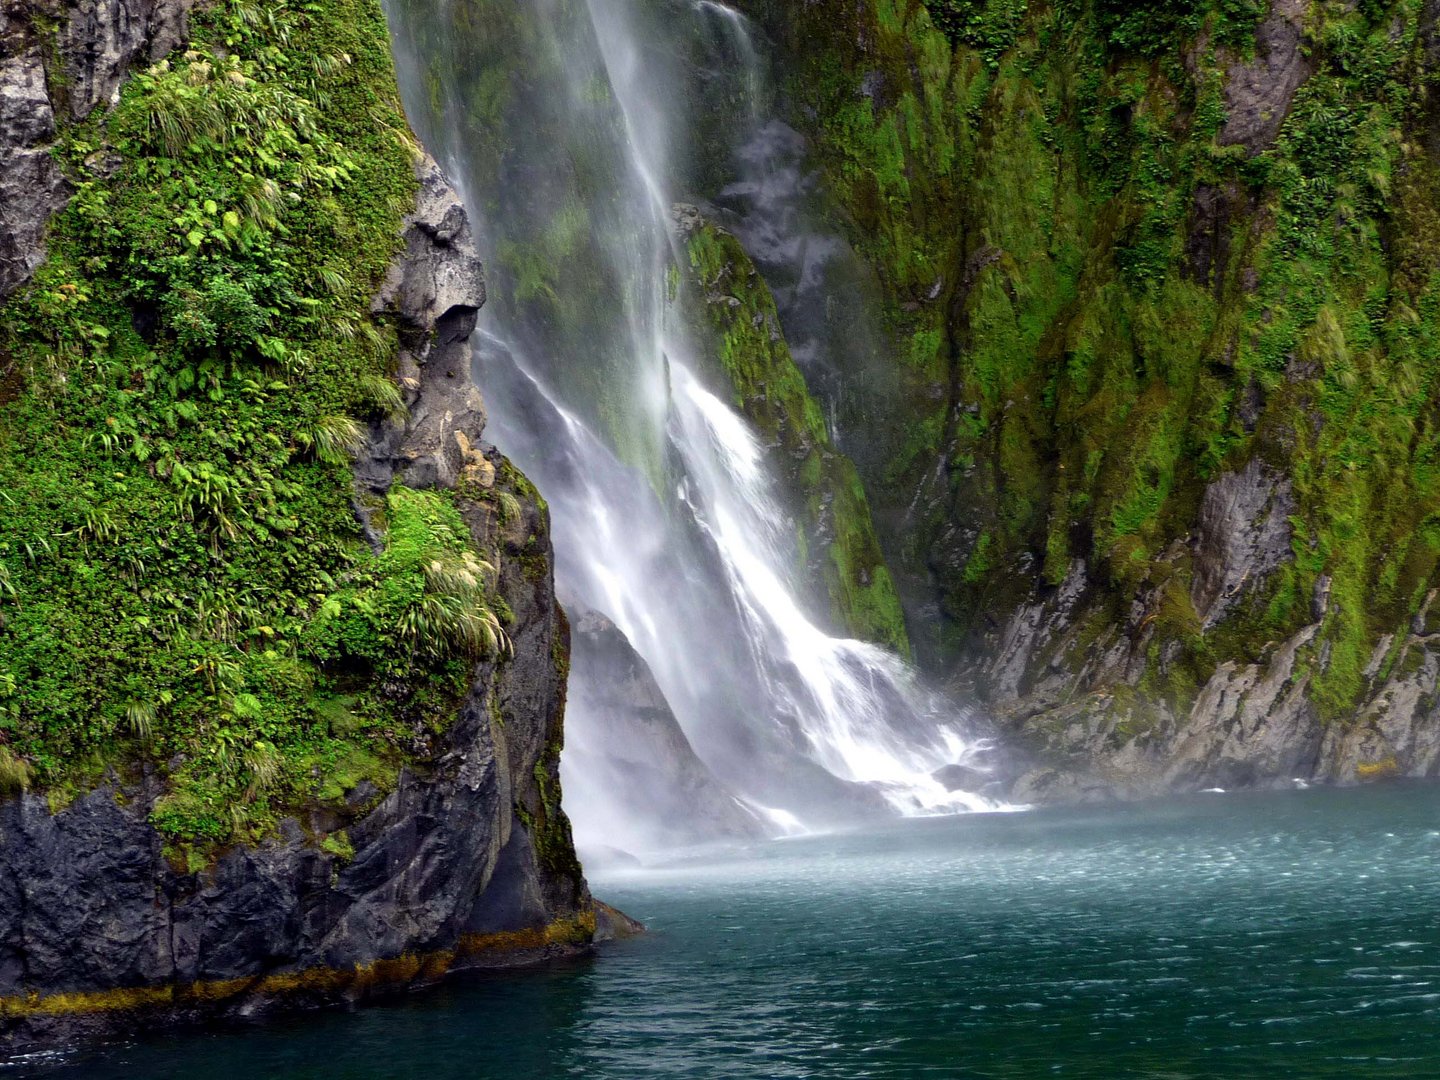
{"x": 963, "y": 778}
{"x": 26, "y": 117}
{"x": 625, "y": 737}
{"x": 90, "y": 902}
{"x": 1258, "y": 95}
{"x": 1242, "y": 538}
{"x": 435, "y": 291}
{"x": 1397, "y": 732}
{"x": 100, "y": 41}
{"x": 31, "y": 185}
{"x": 1031, "y": 631}
{"x": 438, "y": 285}
{"x": 1250, "y": 725}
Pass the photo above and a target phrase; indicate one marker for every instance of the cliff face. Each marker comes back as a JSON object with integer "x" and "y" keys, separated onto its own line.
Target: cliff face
{"x": 733, "y": 316}
{"x": 215, "y": 850}
{"x": 91, "y": 50}
{"x": 1161, "y": 292}
{"x": 631, "y": 756}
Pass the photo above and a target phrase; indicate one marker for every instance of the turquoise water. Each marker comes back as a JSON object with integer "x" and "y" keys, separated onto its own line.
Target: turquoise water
{"x": 1291, "y": 934}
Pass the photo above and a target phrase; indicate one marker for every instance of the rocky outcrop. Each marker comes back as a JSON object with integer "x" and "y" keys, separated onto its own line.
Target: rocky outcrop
{"x": 31, "y": 186}
{"x": 1149, "y": 504}
{"x": 100, "y": 932}
{"x": 625, "y": 742}
{"x": 467, "y": 861}
{"x": 434, "y": 292}
{"x": 1258, "y": 94}
{"x": 99, "y": 41}
{"x": 1242, "y": 537}
{"x": 75, "y": 67}
{"x": 1250, "y": 725}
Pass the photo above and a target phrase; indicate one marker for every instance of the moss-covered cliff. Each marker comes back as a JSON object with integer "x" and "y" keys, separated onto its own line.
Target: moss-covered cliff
{"x": 1161, "y": 284}
{"x": 735, "y": 322}
{"x": 282, "y": 673}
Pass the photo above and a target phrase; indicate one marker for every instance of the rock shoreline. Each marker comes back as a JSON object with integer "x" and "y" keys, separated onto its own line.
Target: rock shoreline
{"x": 467, "y": 863}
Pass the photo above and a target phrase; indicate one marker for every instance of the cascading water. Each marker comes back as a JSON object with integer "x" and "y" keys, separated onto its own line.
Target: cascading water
{"x": 570, "y": 128}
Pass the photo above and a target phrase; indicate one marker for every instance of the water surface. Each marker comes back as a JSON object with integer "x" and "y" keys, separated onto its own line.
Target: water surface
{"x": 1289, "y": 934}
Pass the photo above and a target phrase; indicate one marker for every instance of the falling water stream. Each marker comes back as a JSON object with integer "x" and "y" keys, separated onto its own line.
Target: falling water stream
{"x": 571, "y": 130}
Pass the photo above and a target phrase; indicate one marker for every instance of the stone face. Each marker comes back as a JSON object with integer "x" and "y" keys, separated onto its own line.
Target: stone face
{"x": 435, "y": 290}
{"x": 100, "y": 41}
{"x": 625, "y": 736}
{"x": 89, "y": 902}
{"x": 1258, "y": 94}
{"x": 1252, "y": 725}
{"x": 466, "y": 862}
{"x": 1243, "y": 536}
{"x": 31, "y": 187}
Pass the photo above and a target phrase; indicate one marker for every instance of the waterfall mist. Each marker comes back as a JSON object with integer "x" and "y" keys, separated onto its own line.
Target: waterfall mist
{"x": 572, "y": 128}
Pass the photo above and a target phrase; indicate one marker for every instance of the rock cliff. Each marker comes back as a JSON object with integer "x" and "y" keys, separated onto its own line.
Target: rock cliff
{"x": 456, "y": 856}
{"x": 1159, "y": 283}
{"x": 631, "y": 756}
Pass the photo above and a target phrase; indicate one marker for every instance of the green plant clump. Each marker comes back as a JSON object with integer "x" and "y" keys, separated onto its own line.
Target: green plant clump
{"x": 1103, "y": 295}
{"x": 182, "y": 388}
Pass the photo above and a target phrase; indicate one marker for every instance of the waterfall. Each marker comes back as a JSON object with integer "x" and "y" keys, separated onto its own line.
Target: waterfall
{"x": 571, "y": 128}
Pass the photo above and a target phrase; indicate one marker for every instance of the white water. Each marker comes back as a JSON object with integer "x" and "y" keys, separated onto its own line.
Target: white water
{"x": 689, "y": 553}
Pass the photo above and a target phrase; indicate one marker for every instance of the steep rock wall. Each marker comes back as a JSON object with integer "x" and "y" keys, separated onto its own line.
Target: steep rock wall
{"x": 464, "y": 859}
{"x": 1161, "y": 293}
{"x": 733, "y": 316}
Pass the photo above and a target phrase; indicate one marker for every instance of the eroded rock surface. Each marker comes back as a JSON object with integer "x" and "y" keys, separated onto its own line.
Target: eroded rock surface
{"x": 435, "y": 292}
{"x": 625, "y": 738}
{"x": 1258, "y": 94}
{"x": 31, "y": 186}
{"x": 76, "y": 67}
{"x": 1243, "y": 536}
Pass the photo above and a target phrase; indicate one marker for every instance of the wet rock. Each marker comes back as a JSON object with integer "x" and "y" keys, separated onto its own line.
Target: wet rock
{"x": 1397, "y": 732}
{"x": 466, "y": 862}
{"x": 963, "y": 778}
{"x": 100, "y": 41}
{"x": 31, "y": 186}
{"x": 1031, "y": 634}
{"x": 1250, "y": 725}
{"x": 438, "y": 285}
{"x": 91, "y": 903}
{"x": 1243, "y": 536}
{"x": 625, "y": 738}
{"x": 614, "y": 925}
{"x": 435, "y": 292}
{"x": 1258, "y": 95}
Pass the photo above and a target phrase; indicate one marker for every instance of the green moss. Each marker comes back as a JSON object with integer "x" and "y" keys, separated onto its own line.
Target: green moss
{"x": 733, "y": 313}
{"x": 181, "y": 573}
{"x": 1151, "y": 309}
{"x": 339, "y": 845}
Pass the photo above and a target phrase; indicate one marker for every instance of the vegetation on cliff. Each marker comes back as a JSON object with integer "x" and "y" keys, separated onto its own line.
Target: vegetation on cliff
{"x": 1129, "y": 249}
{"x": 183, "y": 577}
{"x": 734, "y": 318}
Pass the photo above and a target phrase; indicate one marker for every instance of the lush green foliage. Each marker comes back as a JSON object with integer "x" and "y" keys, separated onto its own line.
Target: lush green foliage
{"x": 1099, "y": 305}
{"x": 182, "y": 575}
